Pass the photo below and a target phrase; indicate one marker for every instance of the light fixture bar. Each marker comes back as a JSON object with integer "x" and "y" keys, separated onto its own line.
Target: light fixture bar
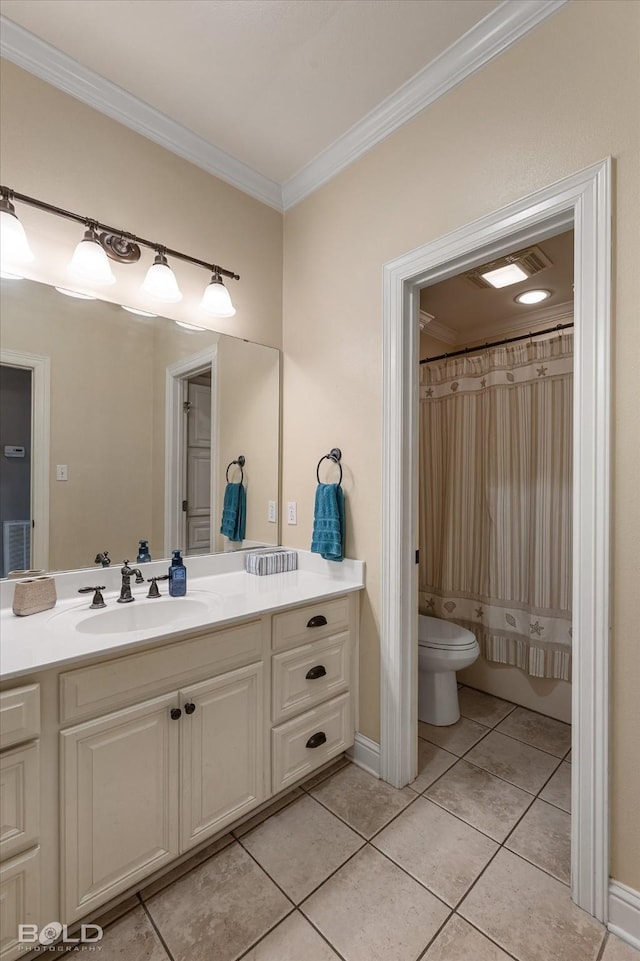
{"x": 98, "y": 225}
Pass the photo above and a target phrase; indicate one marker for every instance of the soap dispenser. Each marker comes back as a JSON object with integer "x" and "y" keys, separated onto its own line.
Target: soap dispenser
{"x": 177, "y": 576}
{"x": 144, "y": 557}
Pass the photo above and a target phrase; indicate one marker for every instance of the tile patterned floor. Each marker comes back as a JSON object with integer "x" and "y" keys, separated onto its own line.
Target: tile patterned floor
{"x": 469, "y": 863}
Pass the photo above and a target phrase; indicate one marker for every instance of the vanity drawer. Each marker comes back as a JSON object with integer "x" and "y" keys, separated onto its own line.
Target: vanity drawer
{"x": 19, "y": 901}
{"x": 309, "y": 675}
{"x": 19, "y": 714}
{"x": 310, "y": 623}
{"x": 328, "y": 727}
{"x": 104, "y": 687}
{"x": 19, "y": 799}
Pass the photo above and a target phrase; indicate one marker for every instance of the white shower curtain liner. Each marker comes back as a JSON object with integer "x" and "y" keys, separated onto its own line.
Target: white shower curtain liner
{"x": 496, "y": 500}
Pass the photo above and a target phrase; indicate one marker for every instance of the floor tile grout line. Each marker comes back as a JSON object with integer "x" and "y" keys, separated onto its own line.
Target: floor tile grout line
{"x": 603, "y": 945}
{"x": 288, "y": 803}
{"x": 468, "y": 823}
{"x": 422, "y": 884}
{"x": 531, "y": 710}
{"x": 436, "y": 935}
{"x": 495, "y": 730}
{"x": 559, "y": 757}
{"x": 187, "y": 870}
{"x": 322, "y": 935}
{"x": 487, "y": 936}
{"x": 364, "y": 836}
{"x": 266, "y": 934}
{"x": 264, "y": 871}
{"x": 497, "y": 776}
{"x": 155, "y": 927}
{"x": 567, "y": 884}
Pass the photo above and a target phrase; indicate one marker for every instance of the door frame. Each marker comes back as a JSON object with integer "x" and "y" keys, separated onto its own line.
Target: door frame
{"x": 40, "y": 367}
{"x": 175, "y": 440}
{"x": 582, "y": 201}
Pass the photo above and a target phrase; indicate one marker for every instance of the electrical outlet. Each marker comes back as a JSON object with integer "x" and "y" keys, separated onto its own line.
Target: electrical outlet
{"x": 272, "y": 512}
{"x": 62, "y": 472}
{"x": 292, "y": 512}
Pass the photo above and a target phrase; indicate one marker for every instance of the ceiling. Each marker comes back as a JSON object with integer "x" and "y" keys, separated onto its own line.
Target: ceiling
{"x": 263, "y": 88}
{"x": 464, "y": 313}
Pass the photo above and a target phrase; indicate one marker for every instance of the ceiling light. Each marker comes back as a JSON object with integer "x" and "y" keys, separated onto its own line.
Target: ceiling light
{"x": 183, "y": 323}
{"x": 161, "y": 282}
{"x": 504, "y": 276}
{"x": 74, "y": 293}
{"x": 216, "y": 299}
{"x": 532, "y": 296}
{"x": 9, "y": 275}
{"x": 136, "y": 310}
{"x": 14, "y": 245}
{"x": 90, "y": 263}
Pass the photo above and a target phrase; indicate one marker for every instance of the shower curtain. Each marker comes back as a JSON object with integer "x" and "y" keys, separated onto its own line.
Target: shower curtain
{"x": 495, "y": 500}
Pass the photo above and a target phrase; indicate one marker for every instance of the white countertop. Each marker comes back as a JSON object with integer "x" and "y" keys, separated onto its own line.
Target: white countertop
{"x": 224, "y": 593}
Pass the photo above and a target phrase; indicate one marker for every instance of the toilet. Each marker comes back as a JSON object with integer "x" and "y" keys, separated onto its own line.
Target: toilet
{"x": 443, "y": 649}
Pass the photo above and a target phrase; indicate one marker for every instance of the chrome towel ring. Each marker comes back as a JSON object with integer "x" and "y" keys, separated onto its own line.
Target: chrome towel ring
{"x": 334, "y": 455}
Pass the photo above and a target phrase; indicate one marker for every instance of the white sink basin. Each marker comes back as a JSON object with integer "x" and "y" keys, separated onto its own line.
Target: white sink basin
{"x": 126, "y": 618}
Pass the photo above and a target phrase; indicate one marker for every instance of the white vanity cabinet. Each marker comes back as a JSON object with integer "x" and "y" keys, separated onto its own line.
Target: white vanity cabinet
{"x": 19, "y": 815}
{"x": 142, "y": 785}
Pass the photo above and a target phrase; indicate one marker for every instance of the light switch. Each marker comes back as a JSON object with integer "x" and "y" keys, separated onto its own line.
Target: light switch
{"x": 61, "y": 472}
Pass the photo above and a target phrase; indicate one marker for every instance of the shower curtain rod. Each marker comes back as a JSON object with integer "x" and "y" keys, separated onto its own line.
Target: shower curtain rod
{"x": 495, "y": 343}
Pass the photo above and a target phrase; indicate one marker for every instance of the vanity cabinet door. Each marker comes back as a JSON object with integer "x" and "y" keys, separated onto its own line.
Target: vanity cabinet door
{"x": 222, "y": 751}
{"x": 119, "y": 801}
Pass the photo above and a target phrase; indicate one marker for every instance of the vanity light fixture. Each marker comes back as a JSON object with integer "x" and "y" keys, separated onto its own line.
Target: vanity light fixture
{"x": 102, "y": 243}
{"x": 532, "y": 296}
{"x": 216, "y": 299}
{"x": 75, "y": 293}
{"x": 160, "y": 282}
{"x": 90, "y": 263}
{"x": 136, "y": 310}
{"x": 183, "y": 323}
{"x": 14, "y": 245}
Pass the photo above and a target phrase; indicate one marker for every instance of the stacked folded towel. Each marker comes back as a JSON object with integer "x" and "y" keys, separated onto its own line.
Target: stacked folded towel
{"x": 328, "y": 522}
{"x": 234, "y": 511}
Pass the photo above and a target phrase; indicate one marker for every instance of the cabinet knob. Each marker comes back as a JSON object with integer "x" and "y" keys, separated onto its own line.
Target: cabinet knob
{"x": 189, "y": 708}
{"x": 175, "y": 713}
{"x": 315, "y": 672}
{"x": 316, "y": 739}
{"x": 318, "y": 621}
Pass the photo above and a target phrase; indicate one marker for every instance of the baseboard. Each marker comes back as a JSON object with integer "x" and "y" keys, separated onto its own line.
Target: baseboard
{"x": 624, "y": 913}
{"x": 366, "y": 754}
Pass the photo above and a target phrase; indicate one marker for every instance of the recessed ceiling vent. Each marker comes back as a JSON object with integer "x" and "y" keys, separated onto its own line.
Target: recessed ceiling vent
{"x": 531, "y": 260}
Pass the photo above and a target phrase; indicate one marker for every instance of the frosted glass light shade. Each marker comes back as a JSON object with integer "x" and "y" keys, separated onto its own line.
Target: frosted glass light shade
{"x": 161, "y": 282}
{"x": 505, "y": 276}
{"x": 14, "y": 246}
{"x": 90, "y": 263}
{"x": 216, "y": 299}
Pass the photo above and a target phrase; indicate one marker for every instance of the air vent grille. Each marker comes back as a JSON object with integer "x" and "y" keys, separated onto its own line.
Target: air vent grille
{"x": 531, "y": 259}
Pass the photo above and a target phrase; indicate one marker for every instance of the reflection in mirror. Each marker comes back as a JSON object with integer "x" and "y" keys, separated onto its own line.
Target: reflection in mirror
{"x": 145, "y": 416}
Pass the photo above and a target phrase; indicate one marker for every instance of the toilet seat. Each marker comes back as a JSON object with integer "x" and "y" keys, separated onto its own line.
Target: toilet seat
{"x": 451, "y": 645}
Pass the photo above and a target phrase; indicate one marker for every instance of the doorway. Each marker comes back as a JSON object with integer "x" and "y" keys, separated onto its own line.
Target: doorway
{"x": 196, "y": 504}
{"x": 582, "y": 201}
{"x": 15, "y": 479}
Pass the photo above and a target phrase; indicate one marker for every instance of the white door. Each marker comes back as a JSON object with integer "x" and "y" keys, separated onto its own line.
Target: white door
{"x": 222, "y": 753}
{"x": 198, "y": 480}
{"x": 119, "y": 802}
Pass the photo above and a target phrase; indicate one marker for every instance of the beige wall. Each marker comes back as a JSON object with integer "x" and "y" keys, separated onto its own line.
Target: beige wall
{"x": 59, "y": 150}
{"x": 564, "y": 97}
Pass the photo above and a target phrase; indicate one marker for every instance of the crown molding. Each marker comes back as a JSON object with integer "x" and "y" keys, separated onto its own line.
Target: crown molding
{"x": 557, "y": 314}
{"x": 51, "y": 65}
{"x": 494, "y": 34}
{"x": 437, "y": 330}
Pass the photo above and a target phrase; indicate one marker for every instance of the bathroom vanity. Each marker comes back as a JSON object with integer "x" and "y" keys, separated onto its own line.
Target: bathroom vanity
{"x": 135, "y": 734}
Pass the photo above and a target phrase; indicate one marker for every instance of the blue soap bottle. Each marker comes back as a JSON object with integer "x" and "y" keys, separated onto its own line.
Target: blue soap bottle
{"x": 177, "y": 576}
{"x": 144, "y": 557}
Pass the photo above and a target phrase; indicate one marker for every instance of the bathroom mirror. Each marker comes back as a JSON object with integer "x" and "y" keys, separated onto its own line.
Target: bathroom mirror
{"x": 141, "y": 419}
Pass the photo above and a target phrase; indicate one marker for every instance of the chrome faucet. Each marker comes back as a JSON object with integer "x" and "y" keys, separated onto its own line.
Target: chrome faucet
{"x": 125, "y": 591}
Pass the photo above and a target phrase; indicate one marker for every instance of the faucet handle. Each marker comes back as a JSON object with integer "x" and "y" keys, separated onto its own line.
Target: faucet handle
{"x": 98, "y": 599}
{"x": 153, "y": 590}
{"x": 103, "y": 558}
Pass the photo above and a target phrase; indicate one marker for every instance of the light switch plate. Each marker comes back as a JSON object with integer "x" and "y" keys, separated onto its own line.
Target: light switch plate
{"x": 272, "y": 512}
{"x": 62, "y": 473}
{"x": 292, "y": 512}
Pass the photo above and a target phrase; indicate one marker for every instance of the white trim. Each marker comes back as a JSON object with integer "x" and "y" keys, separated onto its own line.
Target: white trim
{"x": 495, "y": 33}
{"x": 40, "y": 366}
{"x": 583, "y": 200}
{"x": 624, "y": 913}
{"x": 174, "y": 440}
{"x": 366, "y": 754}
{"x": 51, "y": 65}
{"x": 437, "y": 330}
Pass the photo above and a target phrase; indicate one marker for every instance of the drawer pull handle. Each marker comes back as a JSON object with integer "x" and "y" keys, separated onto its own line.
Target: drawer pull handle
{"x": 317, "y": 739}
{"x": 315, "y": 672}
{"x": 189, "y": 708}
{"x": 175, "y": 713}
{"x": 318, "y": 621}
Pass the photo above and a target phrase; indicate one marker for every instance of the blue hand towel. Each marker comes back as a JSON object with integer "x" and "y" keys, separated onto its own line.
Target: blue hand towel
{"x": 328, "y": 522}
{"x": 234, "y": 512}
